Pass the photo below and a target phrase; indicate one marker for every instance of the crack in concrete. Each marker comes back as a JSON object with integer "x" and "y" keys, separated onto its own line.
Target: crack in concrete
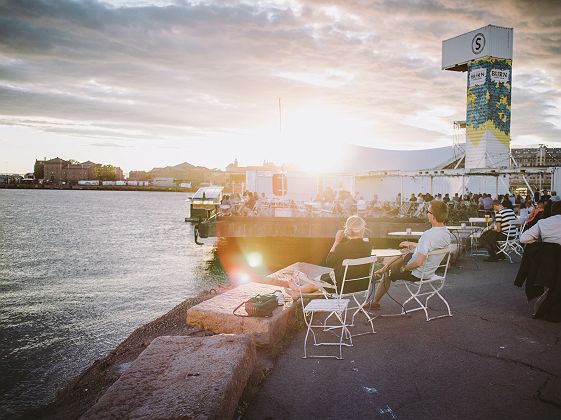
{"x": 475, "y": 316}
{"x": 539, "y": 395}
{"x": 418, "y": 392}
{"x": 506, "y": 359}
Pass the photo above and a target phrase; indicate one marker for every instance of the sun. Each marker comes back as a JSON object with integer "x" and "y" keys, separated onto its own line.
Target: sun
{"x": 314, "y": 136}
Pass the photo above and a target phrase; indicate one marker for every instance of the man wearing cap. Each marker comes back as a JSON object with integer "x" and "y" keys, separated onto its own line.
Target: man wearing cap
{"x": 504, "y": 226}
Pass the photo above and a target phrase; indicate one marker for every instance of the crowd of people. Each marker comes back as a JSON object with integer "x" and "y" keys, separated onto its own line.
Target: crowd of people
{"x": 543, "y": 225}
{"x": 344, "y": 204}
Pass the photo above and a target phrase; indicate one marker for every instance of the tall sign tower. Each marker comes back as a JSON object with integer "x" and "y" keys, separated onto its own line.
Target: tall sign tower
{"x": 486, "y": 54}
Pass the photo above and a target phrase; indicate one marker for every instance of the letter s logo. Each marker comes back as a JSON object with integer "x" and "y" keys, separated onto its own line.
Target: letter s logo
{"x": 478, "y": 43}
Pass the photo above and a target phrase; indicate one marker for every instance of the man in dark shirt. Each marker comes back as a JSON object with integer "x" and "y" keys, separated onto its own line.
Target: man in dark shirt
{"x": 348, "y": 243}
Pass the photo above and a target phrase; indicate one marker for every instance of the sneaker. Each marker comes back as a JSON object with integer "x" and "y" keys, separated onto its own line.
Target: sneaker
{"x": 491, "y": 259}
{"x": 501, "y": 256}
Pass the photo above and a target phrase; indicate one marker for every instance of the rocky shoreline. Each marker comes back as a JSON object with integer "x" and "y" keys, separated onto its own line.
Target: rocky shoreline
{"x": 83, "y": 391}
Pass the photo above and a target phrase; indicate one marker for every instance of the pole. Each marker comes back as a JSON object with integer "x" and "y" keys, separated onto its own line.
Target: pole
{"x": 401, "y": 190}
{"x": 280, "y": 116}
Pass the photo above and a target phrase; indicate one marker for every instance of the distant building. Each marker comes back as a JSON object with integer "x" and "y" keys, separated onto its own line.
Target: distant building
{"x": 80, "y": 171}
{"x": 55, "y": 170}
{"x": 10, "y": 179}
{"x": 540, "y": 157}
{"x": 58, "y": 170}
{"x": 235, "y": 177}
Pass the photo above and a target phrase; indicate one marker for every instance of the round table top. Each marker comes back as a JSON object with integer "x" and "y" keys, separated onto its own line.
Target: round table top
{"x": 405, "y": 233}
{"x": 467, "y": 227}
{"x": 386, "y": 252}
{"x": 479, "y": 220}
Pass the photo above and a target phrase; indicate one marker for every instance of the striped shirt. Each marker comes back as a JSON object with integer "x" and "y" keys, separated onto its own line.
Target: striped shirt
{"x": 506, "y": 217}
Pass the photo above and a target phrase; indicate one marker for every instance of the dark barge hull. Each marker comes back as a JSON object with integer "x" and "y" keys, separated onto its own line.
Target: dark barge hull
{"x": 300, "y": 227}
{"x": 281, "y": 241}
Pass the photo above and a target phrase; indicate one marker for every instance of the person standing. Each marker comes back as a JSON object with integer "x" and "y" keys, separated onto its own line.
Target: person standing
{"x": 504, "y": 226}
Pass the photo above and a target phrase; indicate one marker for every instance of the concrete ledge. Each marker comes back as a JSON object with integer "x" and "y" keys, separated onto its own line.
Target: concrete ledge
{"x": 181, "y": 377}
{"x": 216, "y": 315}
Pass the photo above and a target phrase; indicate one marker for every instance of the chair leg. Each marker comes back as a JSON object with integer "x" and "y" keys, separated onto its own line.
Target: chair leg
{"x": 436, "y": 292}
{"x": 307, "y": 334}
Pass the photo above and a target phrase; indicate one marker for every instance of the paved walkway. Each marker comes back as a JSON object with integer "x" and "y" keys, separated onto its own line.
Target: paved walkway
{"x": 491, "y": 360}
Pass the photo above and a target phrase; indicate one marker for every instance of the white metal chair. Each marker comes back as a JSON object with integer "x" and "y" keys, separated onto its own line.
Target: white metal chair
{"x": 359, "y": 298}
{"x": 428, "y": 286}
{"x": 511, "y": 244}
{"x": 334, "y": 308}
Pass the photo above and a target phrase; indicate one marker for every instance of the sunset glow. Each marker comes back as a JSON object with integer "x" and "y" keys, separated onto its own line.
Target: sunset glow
{"x": 147, "y": 83}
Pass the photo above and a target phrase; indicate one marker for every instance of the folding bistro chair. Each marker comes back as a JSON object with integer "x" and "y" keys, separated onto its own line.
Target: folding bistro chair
{"x": 428, "y": 286}
{"x": 511, "y": 244}
{"x": 334, "y": 308}
{"x": 359, "y": 298}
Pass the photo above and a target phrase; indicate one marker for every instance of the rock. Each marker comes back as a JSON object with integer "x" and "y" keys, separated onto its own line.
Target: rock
{"x": 181, "y": 377}
{"x": 216, "y": 315}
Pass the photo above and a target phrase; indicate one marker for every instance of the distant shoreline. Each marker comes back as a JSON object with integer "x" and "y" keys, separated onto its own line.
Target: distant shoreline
{"x": 95, "y": 187}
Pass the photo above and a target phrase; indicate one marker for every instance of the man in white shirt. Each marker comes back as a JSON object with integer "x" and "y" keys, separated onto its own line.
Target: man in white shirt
{"x": 419, "y": 263}
{"x": 545, "y": 230}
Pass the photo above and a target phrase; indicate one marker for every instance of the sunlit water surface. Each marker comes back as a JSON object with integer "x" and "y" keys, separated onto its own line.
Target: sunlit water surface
{"x": 79, "y": 271}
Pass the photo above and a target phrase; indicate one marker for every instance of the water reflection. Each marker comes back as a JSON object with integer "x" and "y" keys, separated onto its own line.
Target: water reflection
{"x": 79, "y": 271}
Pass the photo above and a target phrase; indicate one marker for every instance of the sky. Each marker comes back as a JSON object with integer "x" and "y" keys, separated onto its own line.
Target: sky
{"x": 143, "y": 84}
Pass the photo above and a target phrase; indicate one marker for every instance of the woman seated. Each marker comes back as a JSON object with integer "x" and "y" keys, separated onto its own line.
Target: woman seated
{"x": 349, "y": 243}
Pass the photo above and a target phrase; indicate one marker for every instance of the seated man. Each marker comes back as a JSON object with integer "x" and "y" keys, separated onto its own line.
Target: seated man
{"x": 504, "y": 226}
{"x": 417, "y": 263}
{"x": 545, "y": 230}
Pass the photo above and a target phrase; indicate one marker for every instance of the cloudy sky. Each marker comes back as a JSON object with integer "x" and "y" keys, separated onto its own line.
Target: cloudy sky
{"x": 151, "y": 83}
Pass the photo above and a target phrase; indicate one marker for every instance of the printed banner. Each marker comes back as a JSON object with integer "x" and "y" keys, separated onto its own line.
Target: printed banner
{"x": 477, "y": 76}
{"x": 500, "y": 76}
{"x": 488, "y": 101}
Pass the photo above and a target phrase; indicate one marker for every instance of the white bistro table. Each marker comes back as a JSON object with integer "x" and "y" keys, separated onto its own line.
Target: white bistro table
{"x": 383, "y": 253}
{"x": 312, "y": 271}
{"x": 409, "y": 235}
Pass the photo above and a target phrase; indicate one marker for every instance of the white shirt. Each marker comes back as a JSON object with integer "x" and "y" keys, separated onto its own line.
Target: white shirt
{"x": 545, "y": 230}
{"x": 432, "y": 239}
{"x": 524, "y": 214}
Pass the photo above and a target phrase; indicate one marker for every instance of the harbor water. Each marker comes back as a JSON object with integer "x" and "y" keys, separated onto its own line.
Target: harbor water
{"x": 79, "y": 271}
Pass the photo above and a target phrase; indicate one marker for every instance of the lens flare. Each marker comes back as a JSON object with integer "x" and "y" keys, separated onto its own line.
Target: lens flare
{"x": 243, "y": 277}
{"x": 254, "y": 259}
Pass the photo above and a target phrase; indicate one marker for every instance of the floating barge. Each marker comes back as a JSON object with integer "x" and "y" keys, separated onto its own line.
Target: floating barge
{"x": 300, "y": 227}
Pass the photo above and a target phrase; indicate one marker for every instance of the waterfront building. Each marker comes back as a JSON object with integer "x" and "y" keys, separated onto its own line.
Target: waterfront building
{"x": 58, "y": 170}
{"x": 79, "y": 171}
{"x": 6, "y": 179}
{"x": 235, "y": 176}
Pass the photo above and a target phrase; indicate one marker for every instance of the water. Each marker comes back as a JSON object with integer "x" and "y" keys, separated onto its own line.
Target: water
{"x": 79, "y": 271}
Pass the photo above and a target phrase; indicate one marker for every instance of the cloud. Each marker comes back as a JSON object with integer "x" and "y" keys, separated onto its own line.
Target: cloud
{"x": 107, "y": 144}
{"x": 185, "y": 70}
